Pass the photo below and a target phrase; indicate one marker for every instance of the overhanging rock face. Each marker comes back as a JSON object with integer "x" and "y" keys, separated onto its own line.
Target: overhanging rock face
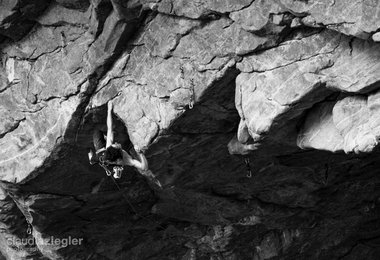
{"x": 299, "y": 78}
{"x": 278, "y": 85}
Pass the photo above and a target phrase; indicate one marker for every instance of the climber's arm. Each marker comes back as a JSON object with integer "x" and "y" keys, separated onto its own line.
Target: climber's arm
{"x": 141, "y": 164}
{"x": 109, "y": 125}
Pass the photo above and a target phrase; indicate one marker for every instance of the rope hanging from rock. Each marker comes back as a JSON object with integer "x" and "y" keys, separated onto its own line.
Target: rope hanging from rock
{"x": 24, "y": 210}
{"x": 132, "y": 207}
{"x": 28, "y": 218}
{"x": 248, "y": 166}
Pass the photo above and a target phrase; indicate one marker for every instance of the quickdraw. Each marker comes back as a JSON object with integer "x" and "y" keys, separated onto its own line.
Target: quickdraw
{"x": 248, "y": 166}
{"x": 29, "y": 229}
{"x": 192, "y": 97}
{"x": 117, "y": 169}
{"x": 182, "y": 72}
{"x": 25, "y": 211}
{"x": 108, "y": 172}
{"x": 63, "y": 41}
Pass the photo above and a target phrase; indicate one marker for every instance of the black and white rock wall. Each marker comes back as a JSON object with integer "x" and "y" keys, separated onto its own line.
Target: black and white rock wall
{"x": 299, "y": 78}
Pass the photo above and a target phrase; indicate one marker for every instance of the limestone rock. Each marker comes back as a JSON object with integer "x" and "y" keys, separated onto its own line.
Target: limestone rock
{"x": 256, "y": 16}
{"x": 350, "y": 124}
{"x": 376, "y": 37}
{"x": 291, "y": 85}
{"x": 279, "y": 84}
{"x": 200, "y": 9}
{"x": 74, "y": 4}
{"x": 16, "y": 17}
{"x": 357, "y": 18}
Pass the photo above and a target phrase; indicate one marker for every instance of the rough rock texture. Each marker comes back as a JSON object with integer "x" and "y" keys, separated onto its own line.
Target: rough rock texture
{"x": 299, "y": 79}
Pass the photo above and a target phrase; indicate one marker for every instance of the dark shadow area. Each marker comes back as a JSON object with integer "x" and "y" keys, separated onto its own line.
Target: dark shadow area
{"x": 191, "y": 150}
{"x": 73, "y": 198}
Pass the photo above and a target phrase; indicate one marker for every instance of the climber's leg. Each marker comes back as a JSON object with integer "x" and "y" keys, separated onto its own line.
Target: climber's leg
{"x": 98, "y": 140}
{"x": 149, "y": 174}
{"x": 99, "y": 145}
{"x": 92, "y": 156}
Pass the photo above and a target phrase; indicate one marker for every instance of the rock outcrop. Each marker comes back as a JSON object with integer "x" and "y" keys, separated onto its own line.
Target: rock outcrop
{"x": 295, "y": 81}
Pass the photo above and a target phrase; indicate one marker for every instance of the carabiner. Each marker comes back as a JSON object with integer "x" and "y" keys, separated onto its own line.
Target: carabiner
{"x": 29, "y": 229}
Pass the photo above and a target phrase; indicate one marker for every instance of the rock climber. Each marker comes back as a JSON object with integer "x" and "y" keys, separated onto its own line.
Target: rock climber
{"x": 110, "y": 154}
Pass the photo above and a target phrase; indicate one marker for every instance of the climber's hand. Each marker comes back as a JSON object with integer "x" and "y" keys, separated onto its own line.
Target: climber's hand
{"x": 251, "y": 147}
{"x": 137, "y": 149}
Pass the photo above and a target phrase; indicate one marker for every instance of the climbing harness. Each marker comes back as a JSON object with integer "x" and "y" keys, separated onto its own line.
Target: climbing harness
{"x": 248, "y": 166}
{"x": 108, "y": 172}
{"x": 118, "y": 169}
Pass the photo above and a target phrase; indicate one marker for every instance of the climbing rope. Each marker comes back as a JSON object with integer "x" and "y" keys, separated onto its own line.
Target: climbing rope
{"x": 132, "y": 207}
{"x": 248, "y": 166}
{"x": 28, "y": 218}
{"x": 125, "y": 198}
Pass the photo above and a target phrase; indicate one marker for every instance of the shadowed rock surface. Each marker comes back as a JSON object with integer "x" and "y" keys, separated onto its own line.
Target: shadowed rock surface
{"x": 299, "y": 79}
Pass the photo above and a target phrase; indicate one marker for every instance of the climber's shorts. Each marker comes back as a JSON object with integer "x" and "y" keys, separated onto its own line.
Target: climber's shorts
{"x": 98, "y": 139}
